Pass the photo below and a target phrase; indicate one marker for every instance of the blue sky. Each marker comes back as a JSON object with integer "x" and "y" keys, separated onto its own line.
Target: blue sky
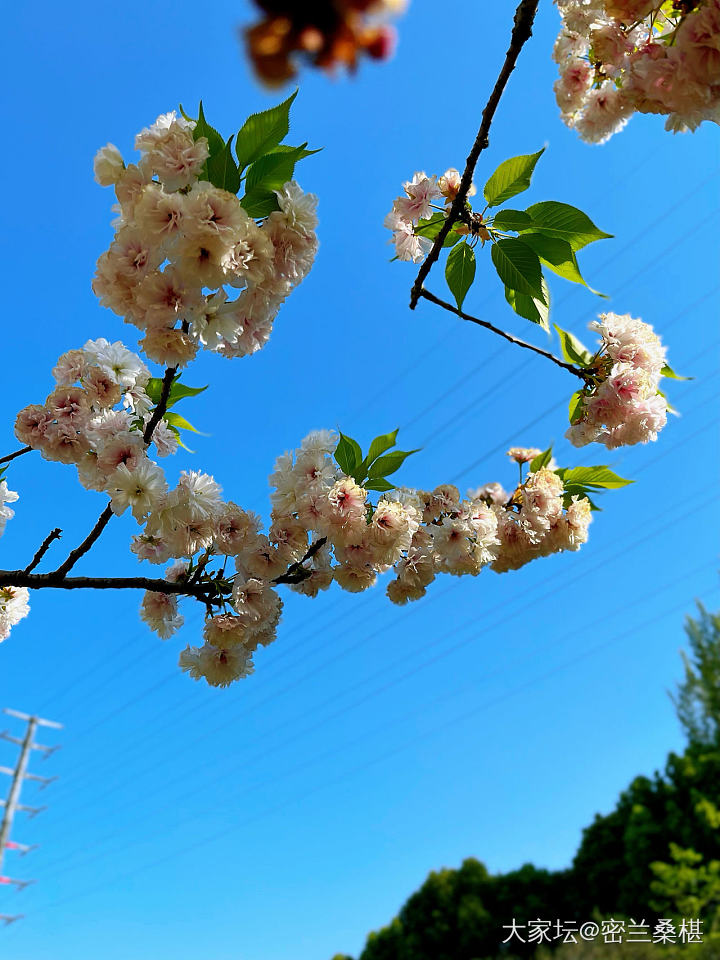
{"x": 285, "y": 817}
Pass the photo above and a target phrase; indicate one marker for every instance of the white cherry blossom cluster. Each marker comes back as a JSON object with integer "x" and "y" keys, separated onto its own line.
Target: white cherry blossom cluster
{"x": 13, "y": 600}
{"x": 6, "y": 496}
{"x": 325, "y": 529}
{"x": 621, "y": 405}
{"x": 620, "y": 56}
{"x": 184, "y": 247}
{"x": 416, "y": 203}
{"x": 14, "y": 606}
{"x": 95, "y": 418}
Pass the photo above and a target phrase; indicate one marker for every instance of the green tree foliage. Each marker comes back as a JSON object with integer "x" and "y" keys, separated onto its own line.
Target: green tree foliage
{"x": 657, "y": 853}
{"x": 697, "y": 701}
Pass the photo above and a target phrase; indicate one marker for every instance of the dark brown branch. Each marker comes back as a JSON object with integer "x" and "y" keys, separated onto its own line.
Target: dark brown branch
{"x": 578, "y": 371}
{"x": 160, "y": 409}
{"x": 87, "y": 543}
{"x": 296, "y": 572}
{"x": 12, "y": 456}
{"x": 522, "y": 31}
{"x": 39, "y": 581}
{"x": 43, "y": 549}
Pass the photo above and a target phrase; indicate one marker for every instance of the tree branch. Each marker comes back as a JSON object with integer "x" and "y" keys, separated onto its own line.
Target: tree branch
{"x": 39, "y": 581}
{"x": 43, "y": 549}
{"x": 12, "y": 456}
{"x": 160, "y": 409}
{"x": 578, "y": 371}
{"x": 521, "y": 33}
{"x": 296, "y": 572}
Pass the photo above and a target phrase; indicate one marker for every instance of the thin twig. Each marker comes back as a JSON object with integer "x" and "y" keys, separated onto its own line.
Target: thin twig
{"x": 522, "y": 31}
{"x": 87, "y": 543}
{"x": 12, "y": 456}
{"x": 578, "y": 371}
{"x": 296, "y": 573}
{"x": 43, "y": 549}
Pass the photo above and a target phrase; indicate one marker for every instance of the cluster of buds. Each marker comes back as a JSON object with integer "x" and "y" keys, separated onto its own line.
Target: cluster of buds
{"x": 620, "y": 56}
{"x": 325, "y": 34}
{"x": 620, "y": 404}
{"x": 182, "y": 247}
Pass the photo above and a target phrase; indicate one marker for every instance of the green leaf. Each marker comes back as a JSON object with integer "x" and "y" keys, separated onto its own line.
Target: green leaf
{"x": 153, "y": 389}
{"x": 518, "y": 267}
{"x": 388, "y": 464}
{"x": 180, "y": 423}
{"x": 541, "y": 460}
{"x": 512, "y": 220}
{"x": 262, "y": 132}
{"x": 599, "y": 477}
{"x": 272, "y": 171}
{"x": 259, "y": 203}
{"x": 572, "y": 349}
{"x": 460, "y": 271}
{"x": 178, "y": 391}
{"x": 348, "y": 455}
{"x": 558, "y": 256}
{"x": 510, "y": 178}
{"x": 216, "y": 144}
{"x": 286, "y": 148}
{"x": 668, "y": 406}
{"x": 379, "y": 483}
{"x": 431, "y": 227}
{"x": 575, "y": 410}
{"x": 380, "y": 444}
{"x": 222, "y": 171}
{"x": 531, "y": 308}
{"x": 667, "y": 371}
{"x": 179, "y": 439}
{"x": 565, "y": 222}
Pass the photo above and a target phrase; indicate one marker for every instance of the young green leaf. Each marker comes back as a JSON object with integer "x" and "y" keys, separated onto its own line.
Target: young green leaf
{"x": 541, "y": 460}
{"x": 515, "y": 220}
{"x": 380, "y": 444}
{"x": 287, "y": 148}
{"x": 348, "y": 455}
{"x": 259, "y": 203}
{"x": 388, "y": 464}
{"x": 510, "y": 178}
{"x": 180, "y": 423}
{"x": 574, "y": 491}
{"x": 558, "y": 256}
{"x": 460, "y": 271}
{"x": 667, "y": 371}
{"x": 531, "y": 308}
{"x": 263, "y": 131}
{"x": 178, "y": 391}
{"x": 431, "y": 227}
{"x": 273, "y": 170}
{"x": 600, "y": 477}
{"x": 668, "y": 406}
{"x": 518, "y": 267}
{"x": 154, "y": 389}
{"x": 202, "y": 128}
{"x": 572, "y": 349}
{"x": 222, "y": 171}
{"x": 575, "y": 410}
{"x": 379, "y": 483}
{"x": 565, "y": 222}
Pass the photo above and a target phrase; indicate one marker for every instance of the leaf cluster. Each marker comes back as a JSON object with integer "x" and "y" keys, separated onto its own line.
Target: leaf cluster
{"x": 548, "y": 236}
{"x": 371, "y": 471}
{"x": 259, "y": 158}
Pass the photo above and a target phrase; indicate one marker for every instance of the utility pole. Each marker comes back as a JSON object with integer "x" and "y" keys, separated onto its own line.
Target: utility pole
{"x": 18, "y": 775}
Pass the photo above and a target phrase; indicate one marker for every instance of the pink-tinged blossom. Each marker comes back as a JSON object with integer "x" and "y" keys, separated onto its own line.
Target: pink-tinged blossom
{"x": 14, "y": 606}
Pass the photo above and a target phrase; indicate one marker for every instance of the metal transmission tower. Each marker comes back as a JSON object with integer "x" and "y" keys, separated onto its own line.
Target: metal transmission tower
{"x": 18, "y": 775}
